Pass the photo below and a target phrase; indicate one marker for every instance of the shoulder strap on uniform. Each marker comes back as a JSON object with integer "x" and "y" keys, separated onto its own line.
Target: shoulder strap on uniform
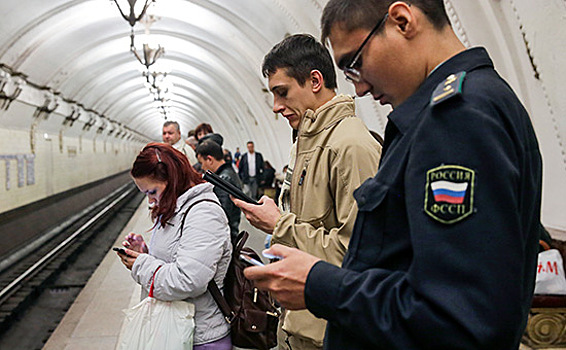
{"x": 450, "y": 87}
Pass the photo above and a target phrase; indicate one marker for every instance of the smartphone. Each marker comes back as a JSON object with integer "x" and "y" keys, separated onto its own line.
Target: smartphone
{"x": 250, "y": 261}
{"x": 120, "y": 250}
{"x": 271, "y": 256}
{"x": 226, "y": 186}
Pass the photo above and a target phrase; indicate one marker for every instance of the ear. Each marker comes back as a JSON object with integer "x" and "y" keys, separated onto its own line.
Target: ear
{"x": 317, "y": 80}
{"x": 404, "y": 17}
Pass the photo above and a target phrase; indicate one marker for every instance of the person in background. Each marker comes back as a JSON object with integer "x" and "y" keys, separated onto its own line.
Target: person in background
{"x": 187, "y": 250}
{"x": 203, "y": 129}
{"x": 444, "y": 249}
{"x": 228, "y": 159}
{"x": 210, "y": 156}
{"x": 192, "y": 142}
{"x": 279, "y": 179}
{"x": 172, "y": 136}
{"x": 266, "y": 183}
{"x": 251, "y": 170}
{"x": 333, "y": 154}
{"x": 237, "y": 156}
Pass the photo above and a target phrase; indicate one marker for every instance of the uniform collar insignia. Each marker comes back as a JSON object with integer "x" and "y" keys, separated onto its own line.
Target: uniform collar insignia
{"x": 449, "y": 88}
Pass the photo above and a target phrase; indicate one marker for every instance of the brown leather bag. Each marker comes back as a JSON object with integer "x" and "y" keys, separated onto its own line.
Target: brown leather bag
{"x": 251, "y": 312}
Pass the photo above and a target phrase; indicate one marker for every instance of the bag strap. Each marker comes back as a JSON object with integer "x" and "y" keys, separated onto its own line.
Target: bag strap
{"x": 191, "y": 207}
{"x": 226, "y": 310}
{"x": 229, "y": 315}
{"x": 212, "y": 286}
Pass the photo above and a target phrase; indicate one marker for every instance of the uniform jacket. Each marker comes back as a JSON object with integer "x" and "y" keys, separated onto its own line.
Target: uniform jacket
{"x": 190, "y": 260}
{"x": 335, "y": 153}
{"x": 243, "y": 170}
{"x": 226, "y": 172}
{"x": 444, "y": 249}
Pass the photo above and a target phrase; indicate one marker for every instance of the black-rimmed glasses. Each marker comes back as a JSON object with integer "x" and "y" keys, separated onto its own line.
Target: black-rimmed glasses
{"x": 352, "y": 70}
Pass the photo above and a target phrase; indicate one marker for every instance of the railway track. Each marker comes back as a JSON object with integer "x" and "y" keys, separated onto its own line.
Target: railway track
{"x": 58, "y": 266}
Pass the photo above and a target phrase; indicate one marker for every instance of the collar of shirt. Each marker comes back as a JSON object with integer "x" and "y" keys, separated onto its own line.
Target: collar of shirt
{"x": 404, "y": 116}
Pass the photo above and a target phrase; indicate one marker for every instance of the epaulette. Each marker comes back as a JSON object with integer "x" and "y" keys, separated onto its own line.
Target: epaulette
{"x": 449, "y": 88}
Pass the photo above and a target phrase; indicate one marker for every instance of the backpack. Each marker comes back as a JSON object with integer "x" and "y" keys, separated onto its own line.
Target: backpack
{"x": 251, "y": 313}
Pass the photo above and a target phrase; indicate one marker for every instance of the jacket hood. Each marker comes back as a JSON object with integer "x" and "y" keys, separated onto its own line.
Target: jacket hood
{"x": 315, "y": 121}
{"x": 213, "y": 137}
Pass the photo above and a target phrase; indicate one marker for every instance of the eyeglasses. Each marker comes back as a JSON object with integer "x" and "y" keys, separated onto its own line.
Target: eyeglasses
{"x": 352, "y": 70}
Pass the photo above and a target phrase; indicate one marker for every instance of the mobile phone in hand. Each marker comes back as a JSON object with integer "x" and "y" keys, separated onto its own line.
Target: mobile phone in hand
{"x": 120, "y": 250}
{"x": 250, "y": 261}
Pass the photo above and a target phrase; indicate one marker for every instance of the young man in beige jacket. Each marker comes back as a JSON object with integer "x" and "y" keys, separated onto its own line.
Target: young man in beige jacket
{"x": 333, "y": 154}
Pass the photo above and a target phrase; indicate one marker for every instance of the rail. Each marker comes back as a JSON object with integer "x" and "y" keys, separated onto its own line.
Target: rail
{"x": 14, "y": 286}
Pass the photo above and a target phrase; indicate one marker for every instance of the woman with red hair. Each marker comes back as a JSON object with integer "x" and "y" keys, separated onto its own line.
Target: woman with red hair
{"x": 188, "y": 251}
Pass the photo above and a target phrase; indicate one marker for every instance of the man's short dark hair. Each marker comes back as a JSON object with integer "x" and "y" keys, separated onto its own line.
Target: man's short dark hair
{"x": 250, "y": 142}
{"x": 170, "y": 122}
{"x": 299, "y": 54}
{"x": 210, "y": 148}
{"x": 355, "y": 14}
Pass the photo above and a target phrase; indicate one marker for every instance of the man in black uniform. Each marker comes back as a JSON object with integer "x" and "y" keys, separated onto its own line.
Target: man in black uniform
{"x": 444, "y": 249}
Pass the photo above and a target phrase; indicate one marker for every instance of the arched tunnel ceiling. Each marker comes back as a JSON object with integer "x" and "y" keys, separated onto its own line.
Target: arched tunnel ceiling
{"x": 213, "y": 52}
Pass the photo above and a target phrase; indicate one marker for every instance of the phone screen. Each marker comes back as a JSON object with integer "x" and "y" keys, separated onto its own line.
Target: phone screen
{"x": 250, "y": 261}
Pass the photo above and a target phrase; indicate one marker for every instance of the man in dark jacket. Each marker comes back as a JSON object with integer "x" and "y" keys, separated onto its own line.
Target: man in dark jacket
{"x": 251, "y": 170}
{"x": 210, "y": 155}
{"x": 444, "y": 249}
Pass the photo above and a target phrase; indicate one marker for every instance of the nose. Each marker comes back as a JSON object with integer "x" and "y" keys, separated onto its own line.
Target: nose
{"x": 277, "y": 107}
{"x": 362, "y": 88}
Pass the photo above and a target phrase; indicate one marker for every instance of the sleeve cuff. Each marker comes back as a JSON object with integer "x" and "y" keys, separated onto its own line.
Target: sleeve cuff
{"x": 143, "y": 264}
{"x": 322, "y": 289}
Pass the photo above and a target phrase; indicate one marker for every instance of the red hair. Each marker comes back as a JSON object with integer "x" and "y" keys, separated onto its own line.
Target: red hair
{"x": 162, "y": 162}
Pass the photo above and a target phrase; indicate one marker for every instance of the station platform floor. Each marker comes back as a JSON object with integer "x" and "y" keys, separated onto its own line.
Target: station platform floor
{"x": 95, "y": 319}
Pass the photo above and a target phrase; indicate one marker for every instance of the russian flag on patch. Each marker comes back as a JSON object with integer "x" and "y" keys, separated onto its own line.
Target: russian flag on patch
{"x": 450, "y": 192}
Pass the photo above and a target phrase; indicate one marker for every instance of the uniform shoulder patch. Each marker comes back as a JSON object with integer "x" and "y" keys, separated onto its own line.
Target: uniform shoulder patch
{"x": 450, "y": 87}
{"x": 449, "y": 194}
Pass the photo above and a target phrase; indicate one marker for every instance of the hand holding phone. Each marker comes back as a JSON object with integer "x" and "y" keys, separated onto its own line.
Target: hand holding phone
{"x": 120, "y": 250}
{"x": 250, "y": 261}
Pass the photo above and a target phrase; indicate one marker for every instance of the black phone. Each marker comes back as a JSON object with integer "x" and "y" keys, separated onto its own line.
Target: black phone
{"x": 120, "y": 250}
{"x": 226, "y": 186}
{"x": 250, "y": 261}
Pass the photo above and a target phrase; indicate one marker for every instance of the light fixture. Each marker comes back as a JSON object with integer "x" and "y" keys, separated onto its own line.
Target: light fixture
{"x": 135, "y": 8}
{"x": 49, "y": 106}
{"x": 90, "y": 123}
{"x": 10, "y": 86}
{"x": 75, "y": 114}
{"x": 154, "y": 79}
{"x": 137, "y": 11}
{"x": 150, "y": 53}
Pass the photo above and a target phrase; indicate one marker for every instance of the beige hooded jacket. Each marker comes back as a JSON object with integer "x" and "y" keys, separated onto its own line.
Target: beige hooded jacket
{"x": 335, "y": 153}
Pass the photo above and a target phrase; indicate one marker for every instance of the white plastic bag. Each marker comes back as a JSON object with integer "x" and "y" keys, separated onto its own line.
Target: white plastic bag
{"x": 158, "y": 325}
{"x": 550, "y": 273}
